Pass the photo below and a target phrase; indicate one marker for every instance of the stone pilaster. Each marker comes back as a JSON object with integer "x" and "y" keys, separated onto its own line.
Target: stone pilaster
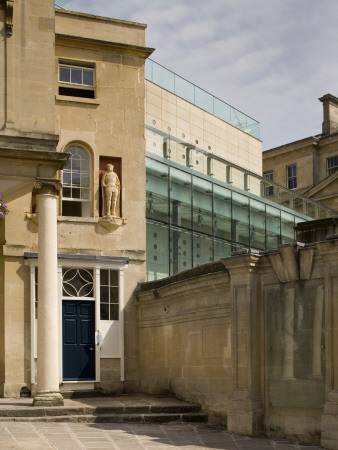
{"x": 329, "y": 438}
{"x": 47, "y": 393}
{"x": 245, "y": 413}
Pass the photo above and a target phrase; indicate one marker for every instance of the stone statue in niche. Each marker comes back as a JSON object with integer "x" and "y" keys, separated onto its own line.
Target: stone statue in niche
{"x": 110, "y": 192}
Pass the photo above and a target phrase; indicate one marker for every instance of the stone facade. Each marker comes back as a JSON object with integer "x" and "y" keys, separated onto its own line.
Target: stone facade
{"x": 314, "y": 158}
{"x": 253, "y": 340}
{"x": 38, "y": 123}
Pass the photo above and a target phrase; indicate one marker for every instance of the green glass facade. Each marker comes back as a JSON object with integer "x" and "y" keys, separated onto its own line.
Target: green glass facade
{"x": 193, "y": 219}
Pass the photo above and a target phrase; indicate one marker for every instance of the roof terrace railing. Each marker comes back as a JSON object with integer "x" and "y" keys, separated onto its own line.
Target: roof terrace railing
{"x": 172, "y": 82}
{"x": 181, "y": 152}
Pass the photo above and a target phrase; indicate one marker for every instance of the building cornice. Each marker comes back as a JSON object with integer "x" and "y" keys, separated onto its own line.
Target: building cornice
{"x": 88, "y": 43}
{"x": 92, "y": 17}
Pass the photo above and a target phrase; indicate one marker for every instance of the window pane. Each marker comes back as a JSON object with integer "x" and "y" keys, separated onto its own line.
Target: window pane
{"x": 157, "y": 251}
{"x": 88, "y": 77}
{"x": 222, "y": 212}
{"x": 202, "y": 249}
{"x": 76, "y": 76}
{"x": 64, "y": 74}
{"x": 180, "y": 198}
{"x": 114, "y": 312}
{"x": 240, "y": 218}
{"x": 114, "y": 278}
{"x": 222, "y": 249}
{"x": 180, "y": 250}
{"x": 76, "y": 193}
{"x": 104, "y": 311}
{"x": 67, "y": 192}
{"x": 257, "y": 224}
{"x": 202, "y": 212}
{"x": 104, "y": 277}
{"x": 104, "y": 294}
{"x": 114, "y": 295}
{"x": 157, "y": 191}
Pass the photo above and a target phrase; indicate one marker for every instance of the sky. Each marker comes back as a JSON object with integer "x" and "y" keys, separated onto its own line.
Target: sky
{"x": 271, "y": 59}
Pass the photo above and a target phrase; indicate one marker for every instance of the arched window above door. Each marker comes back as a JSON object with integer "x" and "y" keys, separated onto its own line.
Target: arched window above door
{"x": 76, "y": 183}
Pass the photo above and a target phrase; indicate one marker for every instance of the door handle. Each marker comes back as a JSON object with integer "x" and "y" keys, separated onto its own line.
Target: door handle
{"x": 92, "y": 348}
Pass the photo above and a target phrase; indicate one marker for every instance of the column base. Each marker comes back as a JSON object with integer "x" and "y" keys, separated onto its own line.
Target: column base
{"x": 48, "y": 398}
{"x": 329, "y": 424}
{"x": 245, "y": 418}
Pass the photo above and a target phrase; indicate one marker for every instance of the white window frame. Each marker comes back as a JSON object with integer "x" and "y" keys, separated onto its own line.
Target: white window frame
{"x": 86, "y": 203}
{"x": 80, "y": 86}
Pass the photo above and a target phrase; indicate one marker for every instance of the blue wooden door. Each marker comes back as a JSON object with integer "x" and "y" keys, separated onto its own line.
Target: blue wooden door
{"x": 78, "y": 330}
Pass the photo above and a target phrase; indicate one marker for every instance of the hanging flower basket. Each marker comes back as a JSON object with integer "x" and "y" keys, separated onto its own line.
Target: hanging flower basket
{"x": 3, "y": 209}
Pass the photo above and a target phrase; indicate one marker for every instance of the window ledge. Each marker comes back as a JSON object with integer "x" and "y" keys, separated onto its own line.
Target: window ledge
{"x": 78, "y": 219}
{"x": 68, "y": 98}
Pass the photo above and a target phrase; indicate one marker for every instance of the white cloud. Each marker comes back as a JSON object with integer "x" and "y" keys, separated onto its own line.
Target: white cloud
{"x": 271, "y": 59}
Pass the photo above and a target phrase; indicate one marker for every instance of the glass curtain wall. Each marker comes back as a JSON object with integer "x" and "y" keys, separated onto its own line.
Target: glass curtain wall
{"x": 192, "y": 219}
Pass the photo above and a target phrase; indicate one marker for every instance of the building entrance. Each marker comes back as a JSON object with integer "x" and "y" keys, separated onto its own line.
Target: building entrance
{"x": 78, "y": 340}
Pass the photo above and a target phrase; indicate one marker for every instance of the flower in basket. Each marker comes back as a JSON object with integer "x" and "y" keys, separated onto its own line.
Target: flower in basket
{"x": 3, "y": 208}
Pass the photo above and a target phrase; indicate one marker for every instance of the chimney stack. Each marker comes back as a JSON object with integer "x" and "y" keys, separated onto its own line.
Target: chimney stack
{"x": 330, "y": 113}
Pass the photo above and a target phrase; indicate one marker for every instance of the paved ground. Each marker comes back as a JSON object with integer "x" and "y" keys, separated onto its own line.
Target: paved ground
{"x": 68, "y": 436}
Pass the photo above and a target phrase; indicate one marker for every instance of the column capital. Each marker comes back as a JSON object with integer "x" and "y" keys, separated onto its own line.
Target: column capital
{"x": 51, "y": 186}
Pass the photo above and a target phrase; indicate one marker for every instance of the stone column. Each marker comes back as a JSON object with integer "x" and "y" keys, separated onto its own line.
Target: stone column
{"x": 245, "y": 409}
{"x": 48, "y": 393}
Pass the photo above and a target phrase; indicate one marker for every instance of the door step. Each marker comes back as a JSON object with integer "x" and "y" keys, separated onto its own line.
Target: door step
{"x": 103, "y": 410}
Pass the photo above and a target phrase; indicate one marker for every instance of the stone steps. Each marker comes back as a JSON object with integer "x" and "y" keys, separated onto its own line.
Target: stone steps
{"x": 112, "y": 418}
{"x": 150, "y": 413}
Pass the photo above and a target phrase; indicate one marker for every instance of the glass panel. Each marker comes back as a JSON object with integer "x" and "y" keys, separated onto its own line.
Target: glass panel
{"x": 76, "y": 76}
{"x": 114, "y": 312}
{"x": 222, "y": 110}
{"x": 157, "y": 251}
{"x": 114, "y": 278}
{"x": 104, "y": 311}
{"x": 104, "y": 294}
{"x": 157, "y": 191}
{"x": 273, "y": 238}
{"x": 222, "y": 249}
{"x": 88, "y": 77}
{"x": 184, "y": 89}
{"x": 114, "y": 294}
{"x": 257, "y": 224}
{"x": 238, "y": 119}
{"x": 204, "y": 100}
{"x": 202, "y": 201}
{"x": 222, "y": 212}
{"x": 77, "y": 282}
{"x": 180, "y": 250}
{"x": 202, "y": 249}
{"x": 104, "y": 279}
{"x": 180, "y": 198}
{"x": 240, "y": 218}
{"x": 288, "y": 223}
{"x": 163, "y": 77}
{"x": 64, "y": 74}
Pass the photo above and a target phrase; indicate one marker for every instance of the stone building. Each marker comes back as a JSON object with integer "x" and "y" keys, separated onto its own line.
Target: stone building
{"x": 309, "y": 166}
{"x": 115, "y": 170}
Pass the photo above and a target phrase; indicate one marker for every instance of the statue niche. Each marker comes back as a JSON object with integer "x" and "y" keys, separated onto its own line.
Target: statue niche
{"x": 111, "y": 187}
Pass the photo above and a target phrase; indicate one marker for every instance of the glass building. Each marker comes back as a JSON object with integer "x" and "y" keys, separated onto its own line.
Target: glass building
{"x": 197, "y": 214}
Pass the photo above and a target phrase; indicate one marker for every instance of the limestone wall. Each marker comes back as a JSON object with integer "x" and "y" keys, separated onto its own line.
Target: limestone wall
{"x": 254, "y": 343}
{"x": 185, "y": 341}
